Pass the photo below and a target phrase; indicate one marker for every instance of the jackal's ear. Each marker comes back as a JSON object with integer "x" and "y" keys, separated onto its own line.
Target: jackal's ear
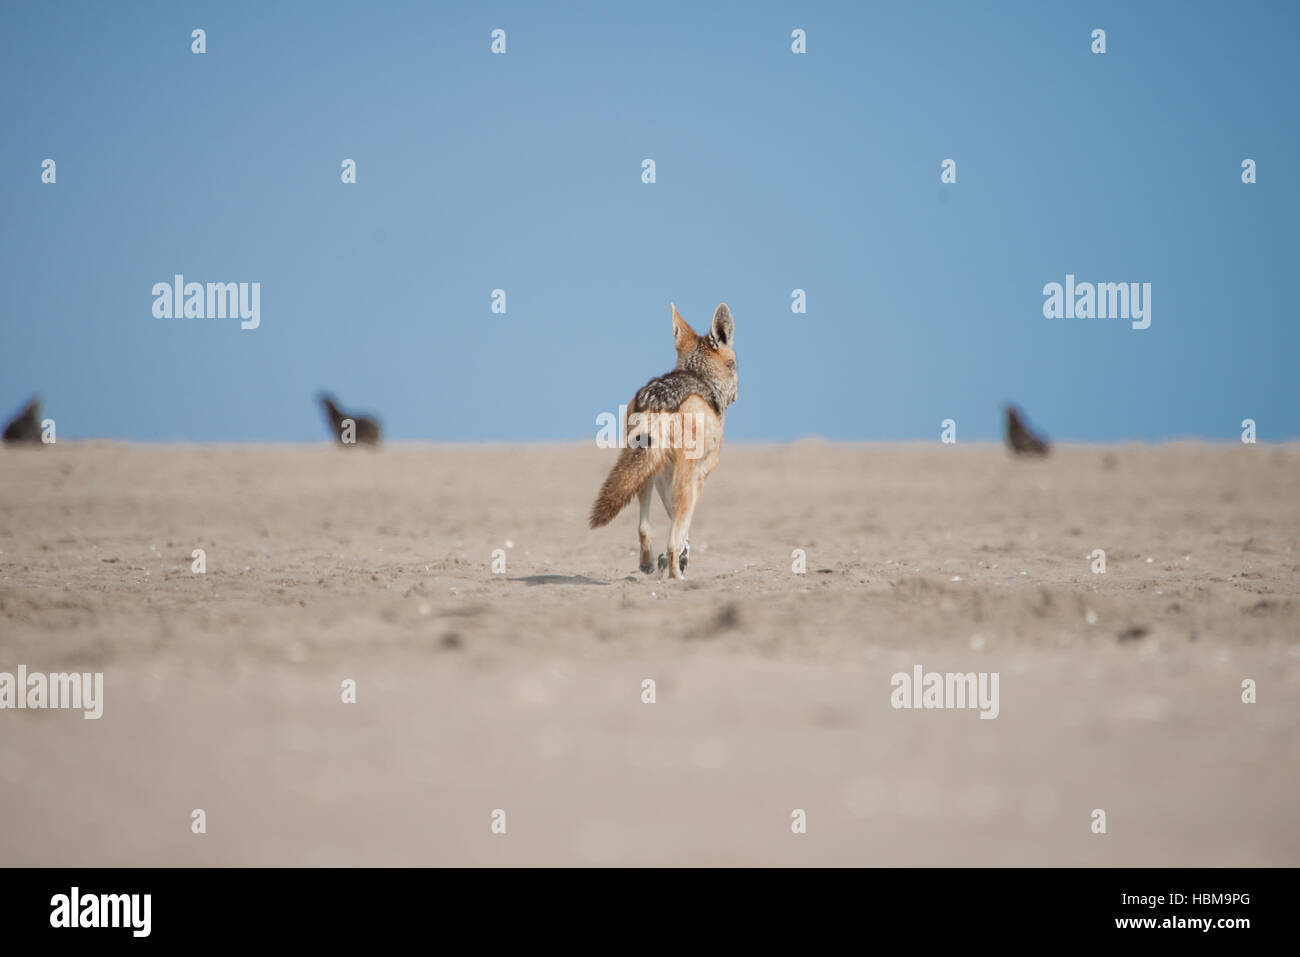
{"x": 723, "y": 329}
{"x": 683, "y": 335}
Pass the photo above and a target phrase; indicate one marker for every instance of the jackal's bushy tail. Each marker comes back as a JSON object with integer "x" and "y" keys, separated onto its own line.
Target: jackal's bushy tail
{"x": 635, "y": 467}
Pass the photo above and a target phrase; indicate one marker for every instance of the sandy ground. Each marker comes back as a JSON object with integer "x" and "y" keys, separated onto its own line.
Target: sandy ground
{"x": 522, "y": 690}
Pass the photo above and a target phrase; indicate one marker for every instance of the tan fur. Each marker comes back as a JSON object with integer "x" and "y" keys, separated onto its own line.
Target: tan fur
{"x": 634, "y": 469}
{"x": 685, "y": 447}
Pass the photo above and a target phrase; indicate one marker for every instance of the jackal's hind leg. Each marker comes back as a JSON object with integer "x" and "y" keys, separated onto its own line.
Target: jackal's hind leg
{"x": 665, "y": 489}
{"x": 686, "y": 528}
{"x": 643, "y": 528}
{"x": 685, "y": 495}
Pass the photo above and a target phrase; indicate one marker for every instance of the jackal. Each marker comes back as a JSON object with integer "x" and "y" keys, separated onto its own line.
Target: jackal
{"x": 674, "y": 429}
{"x": 1020, "y": 438}
{"x": 26, "y": 425}
{"x": 348, "y": 428}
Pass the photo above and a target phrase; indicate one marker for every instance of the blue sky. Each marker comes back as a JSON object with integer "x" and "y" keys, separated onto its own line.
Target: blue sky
{"x": 775, "y": 171}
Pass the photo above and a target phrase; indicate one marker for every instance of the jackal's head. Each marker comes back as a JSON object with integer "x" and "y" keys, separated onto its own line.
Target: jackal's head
{"x": 711, "y": 357}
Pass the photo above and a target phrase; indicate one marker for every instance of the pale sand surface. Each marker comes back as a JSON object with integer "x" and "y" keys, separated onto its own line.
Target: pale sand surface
{"x": 522, "y": 691}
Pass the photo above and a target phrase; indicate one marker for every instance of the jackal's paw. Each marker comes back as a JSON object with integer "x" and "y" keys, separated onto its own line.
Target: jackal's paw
{"x": 681, "y": 561}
